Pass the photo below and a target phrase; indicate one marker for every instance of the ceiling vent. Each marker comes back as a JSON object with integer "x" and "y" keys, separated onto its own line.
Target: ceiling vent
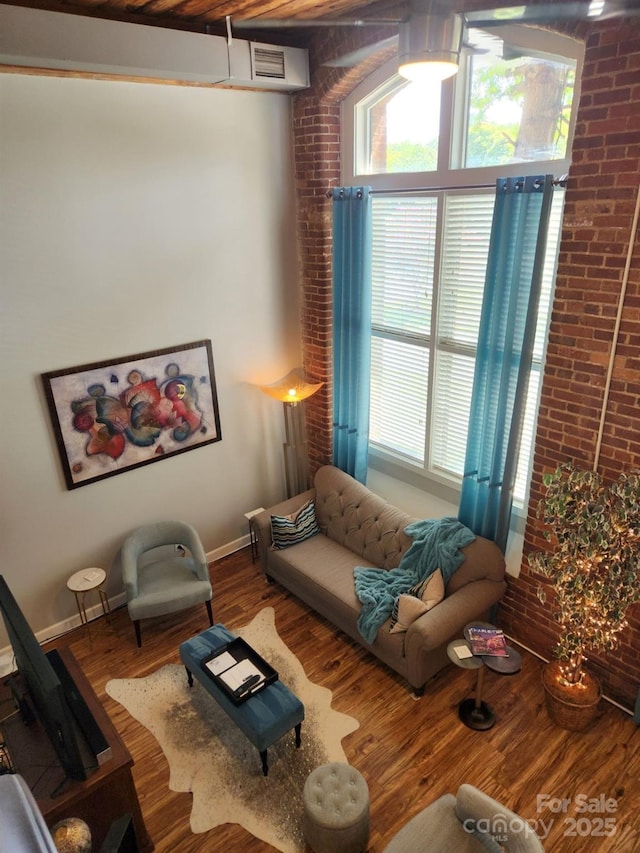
{"x": 268, "y": 66}
{"x": 267, "y": 62}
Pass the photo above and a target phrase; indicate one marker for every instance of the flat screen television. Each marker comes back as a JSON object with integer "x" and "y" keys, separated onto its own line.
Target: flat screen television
{"x": 44, "y": 687}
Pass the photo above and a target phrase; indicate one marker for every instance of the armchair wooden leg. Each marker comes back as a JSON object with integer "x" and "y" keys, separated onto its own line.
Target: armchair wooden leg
{"x": 209, "y": 611}
{"x": 136, "y": 625}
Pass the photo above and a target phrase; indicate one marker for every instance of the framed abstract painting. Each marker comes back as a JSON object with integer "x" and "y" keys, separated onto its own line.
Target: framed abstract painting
{"x": 112, "y": 416}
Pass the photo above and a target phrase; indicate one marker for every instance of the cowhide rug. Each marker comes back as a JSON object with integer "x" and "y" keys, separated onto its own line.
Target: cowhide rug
{"x": 209, "y": 756}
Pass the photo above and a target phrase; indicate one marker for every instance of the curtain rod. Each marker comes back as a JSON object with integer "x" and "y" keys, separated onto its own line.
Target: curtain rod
{"x": 557, "y": 182}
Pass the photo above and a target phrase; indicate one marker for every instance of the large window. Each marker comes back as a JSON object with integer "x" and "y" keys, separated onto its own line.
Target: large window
{"x": 432, "y": 155}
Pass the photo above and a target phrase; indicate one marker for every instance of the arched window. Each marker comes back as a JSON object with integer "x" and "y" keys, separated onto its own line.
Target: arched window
{"x": 432, "y": 154}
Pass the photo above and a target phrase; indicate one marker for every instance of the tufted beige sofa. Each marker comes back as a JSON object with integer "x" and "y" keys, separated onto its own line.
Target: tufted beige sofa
{"x": 359, "y": 528}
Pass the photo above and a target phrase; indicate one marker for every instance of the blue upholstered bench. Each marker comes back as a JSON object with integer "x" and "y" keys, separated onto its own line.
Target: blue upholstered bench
{"x": 265, "y": 717}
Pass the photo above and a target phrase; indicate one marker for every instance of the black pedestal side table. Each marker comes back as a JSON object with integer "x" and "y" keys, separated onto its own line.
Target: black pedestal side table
{"x": 474, "y": 713}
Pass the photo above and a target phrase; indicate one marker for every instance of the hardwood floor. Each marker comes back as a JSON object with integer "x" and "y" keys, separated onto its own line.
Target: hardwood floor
{"x": 409, "y": 751}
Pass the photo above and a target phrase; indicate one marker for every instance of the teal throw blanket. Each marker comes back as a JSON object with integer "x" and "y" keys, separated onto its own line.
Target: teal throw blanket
{"x": 436, "y": 545}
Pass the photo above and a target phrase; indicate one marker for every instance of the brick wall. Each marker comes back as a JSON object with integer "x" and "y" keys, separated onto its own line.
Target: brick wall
{"x": 316, "y": 146}
{"x": 600, "y": 201}
{"x": 599, "y": 213}
{"x": 316, "y": 128}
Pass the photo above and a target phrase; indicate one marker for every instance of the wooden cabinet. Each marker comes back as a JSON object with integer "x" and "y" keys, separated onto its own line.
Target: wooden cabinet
{"x": 105, "y": 795}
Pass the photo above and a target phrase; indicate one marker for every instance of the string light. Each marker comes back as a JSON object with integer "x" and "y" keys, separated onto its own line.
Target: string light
{"x": 592, "y": 567}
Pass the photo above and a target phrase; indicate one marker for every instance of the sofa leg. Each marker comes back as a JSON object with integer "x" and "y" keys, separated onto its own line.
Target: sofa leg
{"x": 209, "y": 612}
{"x": 136, "y": 625}
{"x": 417, "y": 692}
{"x": 269, "y": 579}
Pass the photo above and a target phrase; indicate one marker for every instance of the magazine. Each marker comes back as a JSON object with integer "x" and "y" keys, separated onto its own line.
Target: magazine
{"x": 487, "y": 641}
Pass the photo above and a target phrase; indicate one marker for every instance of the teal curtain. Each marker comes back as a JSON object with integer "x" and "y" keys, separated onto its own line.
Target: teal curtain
{"x": 351, "y": 328}
{"x": 505, "y": 347}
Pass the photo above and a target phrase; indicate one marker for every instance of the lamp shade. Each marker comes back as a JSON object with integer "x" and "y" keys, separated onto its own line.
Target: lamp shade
{"x": 429, "y": 46}
{"x": 292, "y": 388}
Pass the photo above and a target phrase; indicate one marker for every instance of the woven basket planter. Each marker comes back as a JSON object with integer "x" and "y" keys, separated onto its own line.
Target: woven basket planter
{"x": 567, "y": 707}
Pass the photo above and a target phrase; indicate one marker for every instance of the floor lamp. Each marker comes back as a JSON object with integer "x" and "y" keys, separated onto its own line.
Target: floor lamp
{"x": 291, "y": 390}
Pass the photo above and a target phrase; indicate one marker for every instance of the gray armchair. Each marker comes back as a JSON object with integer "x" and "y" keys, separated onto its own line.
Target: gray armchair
{"x": 160, "y": 578}
{"x": 470, "y": 822}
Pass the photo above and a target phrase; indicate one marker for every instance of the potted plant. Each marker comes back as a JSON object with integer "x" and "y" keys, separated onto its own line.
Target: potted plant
{"x": 592, "y": 568}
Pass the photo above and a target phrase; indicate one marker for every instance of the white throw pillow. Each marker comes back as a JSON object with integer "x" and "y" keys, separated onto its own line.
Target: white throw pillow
{"x": 411, "y": 605}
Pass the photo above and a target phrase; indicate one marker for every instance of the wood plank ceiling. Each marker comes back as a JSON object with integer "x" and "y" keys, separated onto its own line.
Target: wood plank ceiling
{"x": 210, "y": 15}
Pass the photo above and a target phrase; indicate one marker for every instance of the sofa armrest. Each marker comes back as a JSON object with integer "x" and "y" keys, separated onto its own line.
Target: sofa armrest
{"x": 447, "y": 619}
{"x": 262, "y": 522}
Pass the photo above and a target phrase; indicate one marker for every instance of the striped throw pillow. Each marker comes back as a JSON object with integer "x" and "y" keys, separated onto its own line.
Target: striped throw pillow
{"x": 288, "y": 530}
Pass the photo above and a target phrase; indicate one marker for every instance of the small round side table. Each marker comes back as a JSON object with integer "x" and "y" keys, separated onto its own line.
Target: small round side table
{"x": 84, "y": 581}
{"x": 508, "y": 665}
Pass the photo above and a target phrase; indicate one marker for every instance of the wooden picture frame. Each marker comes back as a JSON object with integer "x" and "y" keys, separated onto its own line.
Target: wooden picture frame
{"x": 116, "y": 415}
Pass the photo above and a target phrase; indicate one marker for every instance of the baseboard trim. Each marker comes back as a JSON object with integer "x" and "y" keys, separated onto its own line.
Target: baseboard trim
{"x": 93, "y": 612}
{"x": 229, "y": 548}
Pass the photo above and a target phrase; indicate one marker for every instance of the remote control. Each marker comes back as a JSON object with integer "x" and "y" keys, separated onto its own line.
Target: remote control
{"x": 247, "y": 684}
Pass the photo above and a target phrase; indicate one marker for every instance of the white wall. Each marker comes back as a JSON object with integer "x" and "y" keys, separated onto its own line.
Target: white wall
{"x": 135, "y": 217}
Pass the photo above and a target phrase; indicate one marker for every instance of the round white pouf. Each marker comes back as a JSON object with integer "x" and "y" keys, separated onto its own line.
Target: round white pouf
{"x": 336, "y": 809}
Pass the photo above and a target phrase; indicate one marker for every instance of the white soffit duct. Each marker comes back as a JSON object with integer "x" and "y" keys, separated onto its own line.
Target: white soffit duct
{"x": 34, "y": 38}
